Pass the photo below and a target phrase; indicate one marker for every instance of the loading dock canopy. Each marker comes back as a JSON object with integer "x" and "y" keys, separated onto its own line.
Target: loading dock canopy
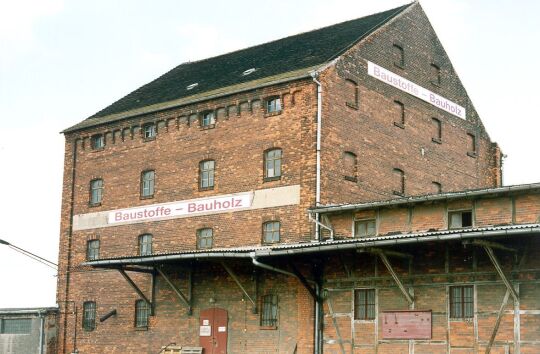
{"x": 292, "y": 249}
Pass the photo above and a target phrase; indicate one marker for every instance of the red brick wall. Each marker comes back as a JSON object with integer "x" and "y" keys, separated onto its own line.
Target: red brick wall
{"x": 369, "y": 130}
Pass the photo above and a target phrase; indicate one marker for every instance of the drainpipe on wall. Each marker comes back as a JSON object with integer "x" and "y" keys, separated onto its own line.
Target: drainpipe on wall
{"x": 315, "y": 75}
{"x": 41, "y": 331}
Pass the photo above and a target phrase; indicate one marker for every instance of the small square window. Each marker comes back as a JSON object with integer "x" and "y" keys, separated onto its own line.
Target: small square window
{"x": 273, "y": 105}
{"x": 365, "y": 228}
{"x": 149, "y": 131}
{"x": 205, "y": 238}
{"x": 364, "y": 304}
{"x": 460, "y": 219}
{"x": 461, "y": 302}
{"x": 208, "y": 119}
{"x": 97, "y": 141}
{"x": 92, "y": 250}
{"x": 269, "y": 311}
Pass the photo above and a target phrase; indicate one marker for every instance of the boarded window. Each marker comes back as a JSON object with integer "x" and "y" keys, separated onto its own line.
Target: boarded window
{"x": 364, "y": 304}
{"x": 437, "y": 187}
{"x": 89, "y": 316}
{"x": 147, "y": 183}
{"x": 269, "y": 311}
{"x": 142, "y": 311}
{"x": 471, "y": 141}
{"x": 399, "y": 114}
{"x": 351, "y": 92}
{"x": 435, "y": 75}
{"x": 399, "y": 55}
{"x": 436, "y": 128}
{"x": 461, "y": 301}
{"x": 96, "y": 191}
{"x": 350, "y": 166}
{"x": 145, "y": 245}
{"x": 399, "y": 182}
{"x": 92, "y": 250}
{"x": 206, "y": 174}
{"x": 365, "y": 228}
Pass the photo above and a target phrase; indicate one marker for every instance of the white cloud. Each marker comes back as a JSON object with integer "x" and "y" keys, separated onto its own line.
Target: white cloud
{"x": 18, "y": 17}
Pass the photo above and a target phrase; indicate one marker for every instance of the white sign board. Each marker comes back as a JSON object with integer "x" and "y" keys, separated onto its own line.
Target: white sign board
{"x": 222, "y": 329}
{"x": 182, "y": 208}
{"x": 205, "y": 331}
{"x": 405, "y": 85}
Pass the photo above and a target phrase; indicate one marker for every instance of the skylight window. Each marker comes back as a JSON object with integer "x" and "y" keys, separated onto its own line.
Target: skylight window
{"x": 192, "y": 86}
{"x": 249, "y": 71}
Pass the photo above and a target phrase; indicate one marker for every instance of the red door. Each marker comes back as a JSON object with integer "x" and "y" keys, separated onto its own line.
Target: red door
{"x": 213, "y": 331}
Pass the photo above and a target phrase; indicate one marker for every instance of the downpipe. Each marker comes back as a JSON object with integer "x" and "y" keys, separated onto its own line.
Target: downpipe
{"x": 314, "y": 75}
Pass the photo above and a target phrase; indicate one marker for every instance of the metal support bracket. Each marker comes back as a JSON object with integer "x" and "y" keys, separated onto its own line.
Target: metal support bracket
{"x": 497, "y": 322}
{"x": 235, "y": 278}
{"x": 383, "y": 256}
{"x": 136, "y": 288}
{"x": 181, "y": 296}
{"x": 304, "y": 282}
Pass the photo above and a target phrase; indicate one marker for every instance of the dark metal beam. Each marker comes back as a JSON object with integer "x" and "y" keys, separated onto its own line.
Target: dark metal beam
{"x": 494, "y": 245}
{"x": 390, "y": 253}
{"x": 134, "y": 286}
{"x": 304, "y": 282}
{"x": 177, "y": 291}
{"x": 235, "y": 278}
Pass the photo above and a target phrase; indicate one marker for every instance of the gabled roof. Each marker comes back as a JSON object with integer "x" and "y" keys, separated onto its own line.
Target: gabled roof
{"x": 290, "y": 54}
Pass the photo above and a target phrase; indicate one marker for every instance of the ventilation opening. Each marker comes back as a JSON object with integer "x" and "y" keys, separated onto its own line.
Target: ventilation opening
{"x": 249, "y": 71}
{"x": 192, "y": 86}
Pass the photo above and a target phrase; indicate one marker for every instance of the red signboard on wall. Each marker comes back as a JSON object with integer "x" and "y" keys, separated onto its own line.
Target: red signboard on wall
{"x": 406, "y": 324}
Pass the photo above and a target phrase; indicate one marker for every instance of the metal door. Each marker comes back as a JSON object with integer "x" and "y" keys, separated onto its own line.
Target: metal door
{"x": 213, "y": 331}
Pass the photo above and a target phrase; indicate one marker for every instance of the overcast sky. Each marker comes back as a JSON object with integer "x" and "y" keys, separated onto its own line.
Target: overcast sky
{"x": 61, "y": 61}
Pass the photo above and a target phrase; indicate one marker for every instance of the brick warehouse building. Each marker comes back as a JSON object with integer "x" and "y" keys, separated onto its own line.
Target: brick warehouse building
{"x": 203, "y": 209}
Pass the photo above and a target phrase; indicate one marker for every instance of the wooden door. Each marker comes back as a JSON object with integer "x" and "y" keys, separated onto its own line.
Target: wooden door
{"x": 213, "y": 331}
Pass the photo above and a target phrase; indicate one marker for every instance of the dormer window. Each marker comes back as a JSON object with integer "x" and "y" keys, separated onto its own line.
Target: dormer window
{"x": 273, "y": 105}
{"x": 192, "y": 86}
{"x": 249, "y": 71}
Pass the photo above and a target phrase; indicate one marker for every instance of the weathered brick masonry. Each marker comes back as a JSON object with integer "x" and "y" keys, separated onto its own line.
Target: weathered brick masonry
{"x": 368, "y": 149}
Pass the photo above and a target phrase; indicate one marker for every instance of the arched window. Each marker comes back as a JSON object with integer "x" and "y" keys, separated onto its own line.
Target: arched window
{"x": 399, "y": 182}
{"x": 145, "y": 245}
{"x": 399, "y": 117}
{"x": 399, "y": 55}
{"x": 206, "y": 174}
{"x": 351, "y": 93}
{"x": 205, "y": 238}
{"x": 435, "y": 75}
{"x": 350, "y": 168}
{"x": 148, "y": 183}
{"x": 272, "y": 164}
{"x": 96, "y": 191}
